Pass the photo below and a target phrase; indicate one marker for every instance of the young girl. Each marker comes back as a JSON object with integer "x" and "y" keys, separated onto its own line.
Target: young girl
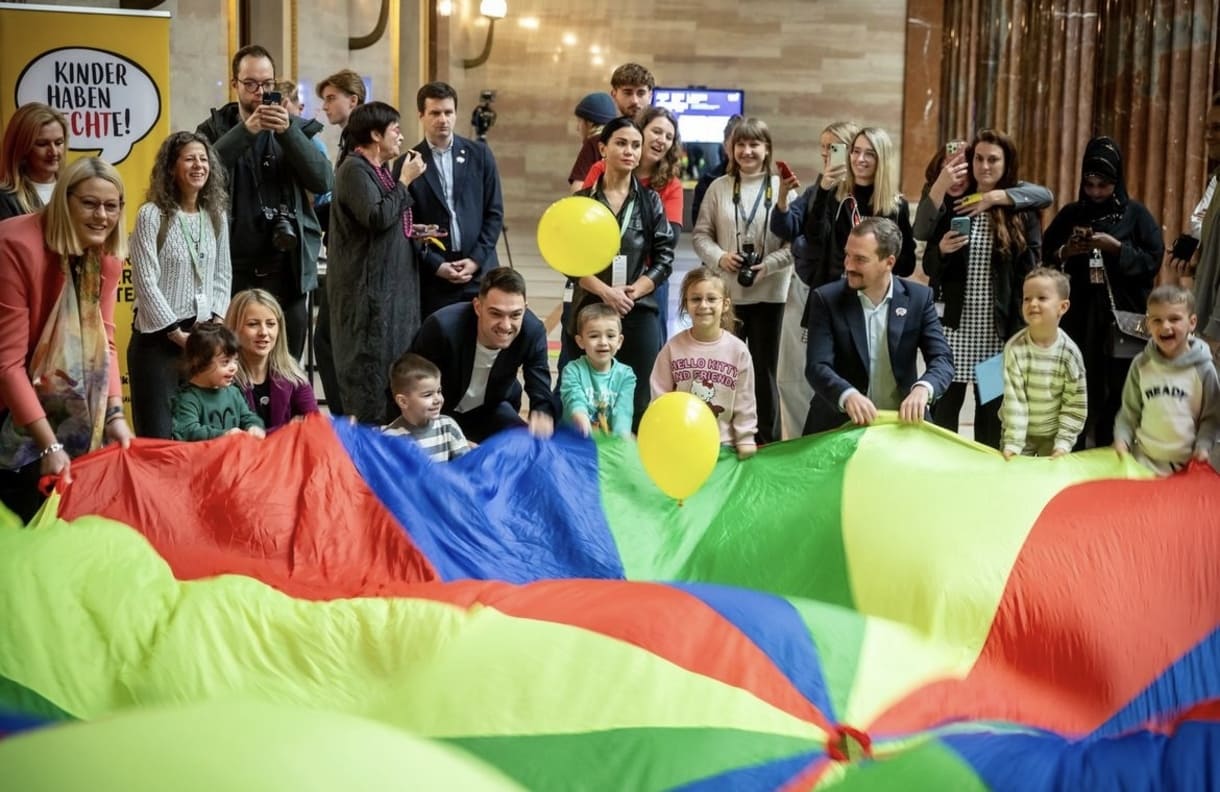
{"x": 209, "y": 405}
{"x": 710, "y": 363}
{"x": 273, "y": 383}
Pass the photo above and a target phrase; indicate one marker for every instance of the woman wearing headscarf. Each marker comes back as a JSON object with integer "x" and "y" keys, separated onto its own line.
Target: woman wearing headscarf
{"x": 60, "y": 394}
{"x": 1103, "y": 223}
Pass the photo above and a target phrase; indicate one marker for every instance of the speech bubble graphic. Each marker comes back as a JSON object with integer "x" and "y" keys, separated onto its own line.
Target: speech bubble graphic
{"x": 111, "y": 102}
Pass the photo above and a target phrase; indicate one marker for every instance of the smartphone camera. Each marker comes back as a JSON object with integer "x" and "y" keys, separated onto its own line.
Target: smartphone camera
{"x": 749, "y": 258}
{"x": 272, "y": 97}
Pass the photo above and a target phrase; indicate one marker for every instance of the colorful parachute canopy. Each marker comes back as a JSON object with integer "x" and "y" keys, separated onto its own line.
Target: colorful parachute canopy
{"x": 889, "y": 607}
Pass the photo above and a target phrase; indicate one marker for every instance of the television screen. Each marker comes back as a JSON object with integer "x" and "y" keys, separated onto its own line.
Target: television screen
{"x": 702, "y": 112}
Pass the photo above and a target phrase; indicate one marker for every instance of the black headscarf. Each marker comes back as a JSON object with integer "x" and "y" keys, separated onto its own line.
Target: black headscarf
{"x": 1102, "y": 158}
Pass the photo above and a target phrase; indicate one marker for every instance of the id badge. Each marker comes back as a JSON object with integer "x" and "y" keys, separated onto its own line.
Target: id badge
{"x": 568, "y": 288}
{"x": 618, "y": 271}
{"x": 201, "y": 312}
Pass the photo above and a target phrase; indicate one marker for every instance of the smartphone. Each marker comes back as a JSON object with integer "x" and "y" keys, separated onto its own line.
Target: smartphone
{"x": 838, "y": 154}
{"x": 272, "y": 97}
{"x": 1185, "y": 247}
{"x": 953, "y": 146}
{"x": 429, "y": 230}
{"x": 1082, "y": 232}
{"x": 785, "y": 172}
{"x": 960, "y": 225}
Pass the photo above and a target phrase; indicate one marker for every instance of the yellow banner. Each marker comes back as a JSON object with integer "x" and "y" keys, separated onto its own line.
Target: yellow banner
{"x": 107, "y": 71}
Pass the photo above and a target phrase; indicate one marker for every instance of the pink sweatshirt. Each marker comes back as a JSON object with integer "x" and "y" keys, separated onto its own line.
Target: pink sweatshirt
{"x": 720, "y": 373}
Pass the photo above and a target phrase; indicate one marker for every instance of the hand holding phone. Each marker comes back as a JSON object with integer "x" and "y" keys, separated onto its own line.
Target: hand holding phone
{"x": 838, "y": 154}
{"x": 272, "y": 97}
{"x": 785, "y": 172}
{"x": 960, "y": 225}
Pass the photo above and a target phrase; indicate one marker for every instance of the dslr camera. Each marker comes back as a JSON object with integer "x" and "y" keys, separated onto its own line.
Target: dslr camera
{"x": 281, "y": 223}
{"x": 749, "y": 258}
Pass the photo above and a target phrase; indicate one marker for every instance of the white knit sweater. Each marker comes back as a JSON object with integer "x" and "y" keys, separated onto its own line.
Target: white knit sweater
{"x": 715, "y": 234}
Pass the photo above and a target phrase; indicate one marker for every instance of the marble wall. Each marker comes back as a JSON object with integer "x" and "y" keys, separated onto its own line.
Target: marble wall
{"x": 801, "y": 63}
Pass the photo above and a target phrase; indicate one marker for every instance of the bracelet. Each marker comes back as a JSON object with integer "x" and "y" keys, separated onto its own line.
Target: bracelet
{"x": 116, "y": 417}
{"x": 53, "y": 448}
{"x": 113, "y": 413}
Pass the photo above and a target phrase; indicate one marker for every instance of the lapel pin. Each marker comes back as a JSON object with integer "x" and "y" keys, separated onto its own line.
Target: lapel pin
{"x": 900, "y": 312}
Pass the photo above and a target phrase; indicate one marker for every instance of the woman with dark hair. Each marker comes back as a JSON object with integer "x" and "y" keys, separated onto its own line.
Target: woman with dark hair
{"x": 35, "y": 142}
{"x": 180, "y": 270}
{"x": 646, "y": 255}
{"x": 947, "y": 179}
{"x": 372, "y": 280}
{"x": 979, "y": 276}
{"x": 660, "y": 170}
{"x": 1103, "y": 239}
{"x": 59, "y": 278}
{"x": 733, "y": 235}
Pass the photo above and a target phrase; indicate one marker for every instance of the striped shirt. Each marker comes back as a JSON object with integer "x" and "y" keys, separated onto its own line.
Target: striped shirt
{"x": 441, "y": 439}
{"x": 1044, "y": 392}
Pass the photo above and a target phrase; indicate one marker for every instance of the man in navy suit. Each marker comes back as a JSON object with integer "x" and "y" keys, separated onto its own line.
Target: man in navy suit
{"x": 864, "y": 332}
{"x": 460, "y": 192}
{"x": 479, "y": 346}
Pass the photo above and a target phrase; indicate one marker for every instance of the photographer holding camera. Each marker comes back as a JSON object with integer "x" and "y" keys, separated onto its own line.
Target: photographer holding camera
{"x": 272, "y": 167}
{"x": 733, "y": 233}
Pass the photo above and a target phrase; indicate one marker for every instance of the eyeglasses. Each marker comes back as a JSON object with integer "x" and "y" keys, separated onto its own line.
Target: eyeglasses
{"x": 92, "y": 205}
{"x": 253, "y": 86}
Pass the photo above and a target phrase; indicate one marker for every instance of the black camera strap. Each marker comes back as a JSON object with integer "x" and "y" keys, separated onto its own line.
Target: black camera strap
{"x": 764, "y": 194}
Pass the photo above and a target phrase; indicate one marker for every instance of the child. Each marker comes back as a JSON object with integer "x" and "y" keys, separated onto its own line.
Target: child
{"x": 416, "y": 384}
{"x": 597, "y": 390}
{"x": 210, "y": 405}
{"x": 710, "y": 363}
{"x": 1045, "y": 399}
{"x": 1171, "y": 402}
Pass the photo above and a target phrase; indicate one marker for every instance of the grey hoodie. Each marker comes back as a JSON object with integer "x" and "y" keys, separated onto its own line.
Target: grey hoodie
{"x": 1171, "y": 407}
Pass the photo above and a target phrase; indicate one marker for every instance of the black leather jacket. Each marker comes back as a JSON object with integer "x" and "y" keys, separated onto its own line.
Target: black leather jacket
{"x": 648, "y": 243}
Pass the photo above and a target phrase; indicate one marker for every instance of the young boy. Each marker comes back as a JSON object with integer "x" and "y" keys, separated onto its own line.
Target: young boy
{"x": 1171, "y": 402}
{"x": 1045, "y": 400}
{"x": 416, "y": 384}
{"x": 597, "y": 390}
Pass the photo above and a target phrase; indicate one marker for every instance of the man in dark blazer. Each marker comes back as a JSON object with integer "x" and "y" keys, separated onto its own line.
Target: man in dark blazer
{"x": 460, "y": 192}
{"x": 479, "y": 346}
{"x": 864, "y": 333}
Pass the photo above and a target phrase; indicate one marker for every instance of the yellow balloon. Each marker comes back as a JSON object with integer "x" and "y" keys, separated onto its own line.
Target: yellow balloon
{"x": 578, "y": 236}
{"x": 679, "y": 441}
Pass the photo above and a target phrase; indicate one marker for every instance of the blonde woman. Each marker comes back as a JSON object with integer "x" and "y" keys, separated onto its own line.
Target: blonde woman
{"x": 59, "y": 269}
{"x": 866, "y": 186}
{"x": 795, "y": 392}
{"x": 272, "y": 381}
{"x": 35, "y": 144}
{"x": 180, "y": 270}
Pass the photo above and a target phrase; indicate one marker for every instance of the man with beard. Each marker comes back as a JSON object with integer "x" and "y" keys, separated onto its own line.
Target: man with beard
{"x": 864, "y": 333}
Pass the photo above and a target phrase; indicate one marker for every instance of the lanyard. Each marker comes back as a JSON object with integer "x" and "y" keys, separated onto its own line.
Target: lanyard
{"x": 193, "y": 245}
{"x": 626, "y": 217}
{"x": 753, "y": 212}
{"x": 757, "y": 199}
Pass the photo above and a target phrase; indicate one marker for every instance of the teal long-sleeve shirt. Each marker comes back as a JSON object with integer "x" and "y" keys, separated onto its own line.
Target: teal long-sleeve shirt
{"x": 608, "y": 395}
{"x": 205, "y": 413}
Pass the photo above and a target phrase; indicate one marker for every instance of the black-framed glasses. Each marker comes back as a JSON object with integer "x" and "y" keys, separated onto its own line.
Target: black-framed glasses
{"x": 252, "y": 86}
{"x": 92, "y": 205}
